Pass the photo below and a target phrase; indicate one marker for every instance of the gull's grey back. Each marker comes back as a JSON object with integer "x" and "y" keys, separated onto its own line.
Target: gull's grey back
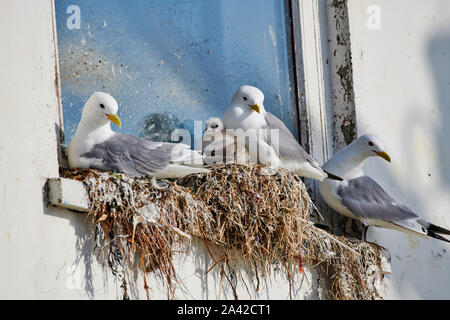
{"x": 132, "y": 155}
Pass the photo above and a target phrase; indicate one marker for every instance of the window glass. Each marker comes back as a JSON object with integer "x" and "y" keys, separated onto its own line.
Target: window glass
{"x": 171, "y": 62}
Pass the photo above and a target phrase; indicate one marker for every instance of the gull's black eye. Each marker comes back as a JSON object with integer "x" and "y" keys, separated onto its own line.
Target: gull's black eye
{"x": 215, "y": 126}
{"x": 102, "y": 106}
{"x": 245, "y": 98}
{"x": 370, "y": 143}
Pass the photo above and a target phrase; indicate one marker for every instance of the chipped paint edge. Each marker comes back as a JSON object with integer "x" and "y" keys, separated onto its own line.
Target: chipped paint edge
{"x": 68, "y": 194}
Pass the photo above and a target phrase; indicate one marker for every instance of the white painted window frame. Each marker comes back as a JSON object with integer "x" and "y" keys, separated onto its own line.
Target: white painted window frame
{"x": 62, "y": 160}
{"x": 309, "y": 74}
{"x": 313, "y": 98}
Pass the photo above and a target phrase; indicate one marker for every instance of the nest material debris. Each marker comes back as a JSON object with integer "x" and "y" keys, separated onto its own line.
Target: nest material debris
{"x": 255, "y": 213}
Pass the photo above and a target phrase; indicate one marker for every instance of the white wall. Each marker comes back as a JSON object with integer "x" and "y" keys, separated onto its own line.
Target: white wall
{"x": 47, "y": 253}
{"x": 402, "y": 93}
{"x": 43, "y": 250}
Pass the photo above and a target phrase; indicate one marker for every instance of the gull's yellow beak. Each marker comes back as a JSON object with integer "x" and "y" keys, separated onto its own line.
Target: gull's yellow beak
{"x": 114, "y": 119}
{"x": 384, "y": 155}
{"x": 254, "y": 107}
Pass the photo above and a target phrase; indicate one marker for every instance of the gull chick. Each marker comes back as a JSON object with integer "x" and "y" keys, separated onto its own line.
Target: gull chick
{"x": 247, "y": 112}
{"x": 95, "y": 145}
{"x": 359, "y": 197}
{"x": 220, "y": 147}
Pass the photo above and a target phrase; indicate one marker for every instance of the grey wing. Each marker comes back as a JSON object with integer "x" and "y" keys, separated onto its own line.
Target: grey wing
{"x": 275, "y": 123}
{"x": 288, "y": 146}
{"x": 132, "y": 155}
{"x": 367, "y": 199}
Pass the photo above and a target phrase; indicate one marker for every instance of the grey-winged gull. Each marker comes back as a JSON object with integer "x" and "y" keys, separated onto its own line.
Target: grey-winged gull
{"x": 360, "y": 197}
{"x": 95, "y": 145}
{"x": 247, "y": 112}
{"x": 220, "y": 147}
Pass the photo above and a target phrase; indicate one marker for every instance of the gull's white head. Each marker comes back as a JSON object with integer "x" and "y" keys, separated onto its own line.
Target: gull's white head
{"x": 213, "y": 125}
{"x": 371, "y": 145}
{"x": 101, "y": 108}
{"x": 250, "y": 99}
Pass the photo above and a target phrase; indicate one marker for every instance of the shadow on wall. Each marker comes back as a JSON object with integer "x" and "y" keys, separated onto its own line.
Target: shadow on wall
{"x": 79, "y": 272}
{"x": 215, "y": 284}
{"x": 439, "y": 57}
{"x": 432, "y": 139}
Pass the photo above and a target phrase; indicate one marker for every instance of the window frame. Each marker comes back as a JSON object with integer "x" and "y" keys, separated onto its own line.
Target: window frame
{"x": 62, "y": 158}
{"x": 309, "y": 78}
{"x": 303, "y": 30}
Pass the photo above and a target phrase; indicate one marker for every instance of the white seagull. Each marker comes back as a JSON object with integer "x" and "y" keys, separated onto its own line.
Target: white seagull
{"x": 95, "y": 145}
{"x": 247, "y": 112}
{"x": 360, "y": 197}
{"x": 220, "y": 147}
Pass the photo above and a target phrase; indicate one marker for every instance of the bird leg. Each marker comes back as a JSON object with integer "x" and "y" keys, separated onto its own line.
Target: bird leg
{"x": 365, "y": 227}
{"x": 364, "y": 231}
{"x": 363, "y": 234}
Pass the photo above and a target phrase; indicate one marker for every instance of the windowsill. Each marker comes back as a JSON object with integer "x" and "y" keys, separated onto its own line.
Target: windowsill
{"x": 68, "y": 194}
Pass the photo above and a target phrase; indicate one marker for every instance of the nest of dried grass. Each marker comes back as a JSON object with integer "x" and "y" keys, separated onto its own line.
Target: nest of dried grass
{"x": 250, "y": 212}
